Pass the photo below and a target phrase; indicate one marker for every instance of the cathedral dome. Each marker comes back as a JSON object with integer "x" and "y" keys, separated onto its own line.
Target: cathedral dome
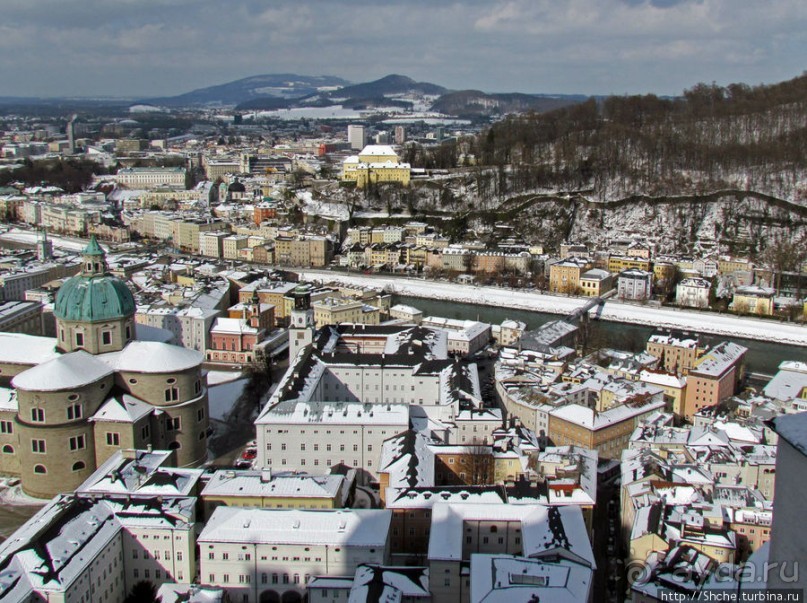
{"x": 94, "y": 295}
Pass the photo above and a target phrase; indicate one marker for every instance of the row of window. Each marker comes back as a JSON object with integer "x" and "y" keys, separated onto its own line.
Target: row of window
{"x": 42, "y": 470}
{"x": 74, "y": 411}
{"x": 156, "y": 554}
{"x": 327, "y": 447}
{"x": 246, "y": 578}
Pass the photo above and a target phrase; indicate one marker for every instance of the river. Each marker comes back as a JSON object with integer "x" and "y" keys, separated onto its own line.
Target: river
{"x": 763, "y": 356}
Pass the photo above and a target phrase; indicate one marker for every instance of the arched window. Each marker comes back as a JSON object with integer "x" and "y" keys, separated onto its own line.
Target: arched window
{"x": 174, "y": 446}
{"x": 79, "y": 465}
{"x": 8, "y": 449}
{"x": 40, "y": 469}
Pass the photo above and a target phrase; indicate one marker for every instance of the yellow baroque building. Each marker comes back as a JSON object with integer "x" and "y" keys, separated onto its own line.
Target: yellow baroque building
{"x": 375, "y": 164}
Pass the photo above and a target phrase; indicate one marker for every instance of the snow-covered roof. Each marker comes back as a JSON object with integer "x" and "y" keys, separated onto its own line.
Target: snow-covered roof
{"x": 265, "y": 483}
{"x": 153, "y": 357}
{"x": 335, "y": 413}
{"x": 719, "y": 359}
{"x": 8, "y": 400}
{"x": 141, "y": 472}
{"x": 69, "y": 371}
{"x": 347, "y": 527}
{"x": 236, "y": 326}
{"x": 507, "y": 578}
{"x": 123, "y": 409}
{"x": 378, "y": 150}
{"x": 788, "y": 382}
{"x": 17, "y": 348}
{"x": 591, "y": 419}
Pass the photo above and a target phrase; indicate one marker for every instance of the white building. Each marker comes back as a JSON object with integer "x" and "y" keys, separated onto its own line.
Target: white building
{"x": 83, "y": 549}
{"x": 189, "y": 324}
{"x": 465, "y": 337}
{"x": 634, "y": 284}
{"x": 262, "y": 554}
{"x": 356, "y": 136}
{"x": 693, "y": 293}
{"x": 459, "y": 532}
{"x": 151, "y": 177}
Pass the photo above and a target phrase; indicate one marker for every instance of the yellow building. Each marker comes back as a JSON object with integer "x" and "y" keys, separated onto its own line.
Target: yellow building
{"x": 674, "y": 387}
{"x": 564, "y": 277}
{"x": 753, "y": 300}
{"x": 618, "y": 263}
{"x": 375, "y": 164}
{"x": 334, "y": 311}
{"x": 595, "y": 282}
{"x": 265, "y": 490}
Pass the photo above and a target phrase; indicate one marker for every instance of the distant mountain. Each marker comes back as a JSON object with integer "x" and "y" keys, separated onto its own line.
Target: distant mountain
{"x": 474, "y": 103}
{"x": 391, "y": 84}
{"x": 286, "y": 86}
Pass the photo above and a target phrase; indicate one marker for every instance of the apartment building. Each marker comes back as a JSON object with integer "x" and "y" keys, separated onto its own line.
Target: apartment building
{"x": 271, "y": 554}
{"x": 714, "y": 377}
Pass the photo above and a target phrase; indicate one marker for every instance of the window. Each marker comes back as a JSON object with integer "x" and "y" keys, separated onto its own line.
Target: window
{"x": 197, "y": 387}
{"x": 79, "y": 339}
{"x": 38, "y": 446}
{"x": 6, "y": 427}
{"x": 8, "y": 449}
{"x": 106, "y": 337}
{"x": 112, "y": 438}
{"x": 40, "y": 469}
{"x": 172, "y": 394}
{"x": 200, "y": 414}
{"x": 79, "y": 465}
{"x": 74, "y": 411}
{"x": 78, "y": 442}
{"x": 173, "y": 424}
{"x": 38, "y": 415}
{"x": 145, "y": 432}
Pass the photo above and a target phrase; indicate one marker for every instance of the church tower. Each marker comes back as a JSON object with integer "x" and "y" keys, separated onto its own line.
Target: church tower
{"x": 301, "y": 329}
{"x": 94, "y": 310}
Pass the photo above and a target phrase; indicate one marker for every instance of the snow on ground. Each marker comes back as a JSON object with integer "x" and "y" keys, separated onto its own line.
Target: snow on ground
{"x": 670, "y": 318}
{"x": 336, "y": 211}
{"x": 30, "y": 237}
{"x": 219, "y": 377}
{"x": 222, "y": 398}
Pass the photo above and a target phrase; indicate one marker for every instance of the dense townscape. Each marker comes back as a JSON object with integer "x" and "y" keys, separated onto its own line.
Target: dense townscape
{"x": 212, "y": 390}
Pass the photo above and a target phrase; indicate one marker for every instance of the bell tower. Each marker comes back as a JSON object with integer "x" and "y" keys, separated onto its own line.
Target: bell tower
{"x": 301, "y": 329}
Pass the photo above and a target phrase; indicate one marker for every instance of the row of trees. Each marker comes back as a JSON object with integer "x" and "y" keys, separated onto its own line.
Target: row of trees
{"x": 645, "y": 143}
{"x": 71, "y": 175}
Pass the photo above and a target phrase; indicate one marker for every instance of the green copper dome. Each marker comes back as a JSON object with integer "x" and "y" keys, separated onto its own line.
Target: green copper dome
{"x": 94, "y": 299}
{"x": 94, "y": 295}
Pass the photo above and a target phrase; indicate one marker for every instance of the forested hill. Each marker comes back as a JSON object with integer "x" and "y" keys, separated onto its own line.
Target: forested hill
{"x": 733, "y": 137}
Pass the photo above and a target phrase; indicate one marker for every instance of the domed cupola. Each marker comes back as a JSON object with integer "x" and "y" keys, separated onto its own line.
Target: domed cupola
{"x": 94, "y": 310}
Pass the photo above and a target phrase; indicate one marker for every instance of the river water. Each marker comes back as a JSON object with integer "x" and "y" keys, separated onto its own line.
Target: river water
{"x": 763, "y": 356}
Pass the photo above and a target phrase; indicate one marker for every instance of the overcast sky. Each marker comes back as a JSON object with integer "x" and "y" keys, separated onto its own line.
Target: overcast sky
{"x": 165, "y": 47}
